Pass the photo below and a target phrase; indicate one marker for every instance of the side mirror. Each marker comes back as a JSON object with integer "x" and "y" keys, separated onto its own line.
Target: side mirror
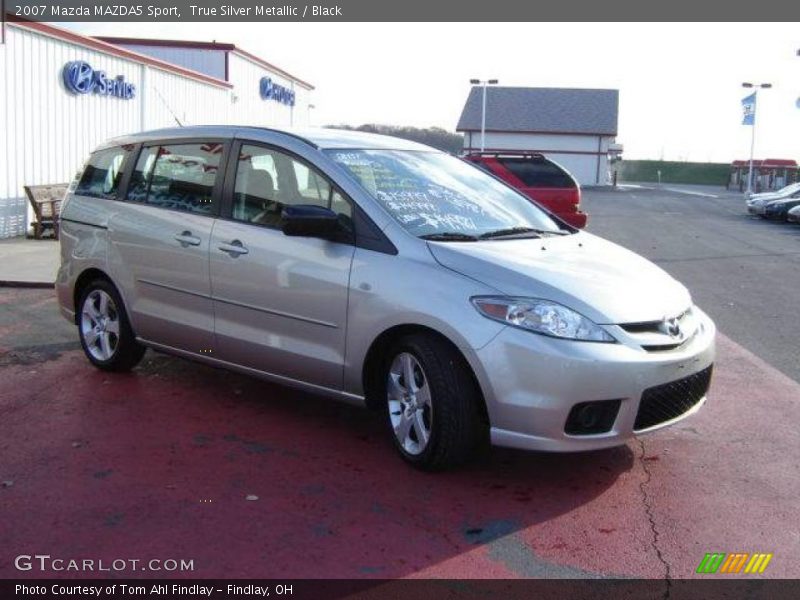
{"x": 307, "y": 220}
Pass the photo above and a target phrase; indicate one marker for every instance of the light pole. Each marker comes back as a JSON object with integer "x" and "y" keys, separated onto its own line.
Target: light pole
{"x": 308, "y": 118}
{"x": 753, "y": 132}
{"x": 483, "y": 83}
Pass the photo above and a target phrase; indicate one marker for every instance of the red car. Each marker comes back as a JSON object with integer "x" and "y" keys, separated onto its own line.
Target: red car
{"x": 540, "y": 179}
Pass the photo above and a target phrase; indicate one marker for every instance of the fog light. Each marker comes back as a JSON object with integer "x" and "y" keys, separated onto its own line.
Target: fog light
{"x": 587, "y": 418}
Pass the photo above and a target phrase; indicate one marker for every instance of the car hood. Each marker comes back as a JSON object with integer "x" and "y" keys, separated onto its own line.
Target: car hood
{"x": 776, "y": 193}
{"x": 775, "y": 196}
{"x": 595, "y": 277}
{"x": 764, "y": 199}
{"x": 785, "y": 201}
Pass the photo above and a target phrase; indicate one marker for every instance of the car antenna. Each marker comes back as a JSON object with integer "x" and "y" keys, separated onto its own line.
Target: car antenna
{"x": 166, "y": 104}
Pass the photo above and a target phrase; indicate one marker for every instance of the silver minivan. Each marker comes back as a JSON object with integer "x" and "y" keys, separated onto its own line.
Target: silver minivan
{"x": 381, "y": 272}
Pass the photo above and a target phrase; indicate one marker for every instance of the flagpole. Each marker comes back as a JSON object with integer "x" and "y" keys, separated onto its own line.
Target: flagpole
{"x": 753, "y": 125}
{"x": 752, "y": 143}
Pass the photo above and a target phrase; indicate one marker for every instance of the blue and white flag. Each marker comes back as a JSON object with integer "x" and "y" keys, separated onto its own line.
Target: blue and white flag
{"x": 749, "y": 109}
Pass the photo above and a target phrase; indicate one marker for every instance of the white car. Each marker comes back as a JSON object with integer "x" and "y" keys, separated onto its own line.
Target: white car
{"x": 757, "y": 202}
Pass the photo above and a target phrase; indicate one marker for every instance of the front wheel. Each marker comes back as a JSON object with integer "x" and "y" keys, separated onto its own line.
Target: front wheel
{"x": 432, "y": 403}
{"x": 106, "y": 335}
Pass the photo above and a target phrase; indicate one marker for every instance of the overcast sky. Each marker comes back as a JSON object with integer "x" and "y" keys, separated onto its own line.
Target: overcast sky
{"x": 680, "y": 85}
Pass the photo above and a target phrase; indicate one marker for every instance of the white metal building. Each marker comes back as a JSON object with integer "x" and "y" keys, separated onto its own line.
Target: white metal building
{"x": 63, "y": 93}
{"x": 575, "y": 127}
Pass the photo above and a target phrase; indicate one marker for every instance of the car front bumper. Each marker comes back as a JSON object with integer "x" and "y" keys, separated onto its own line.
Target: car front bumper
{"x": 531, "y": 383}
{"x": 775, "y": 213}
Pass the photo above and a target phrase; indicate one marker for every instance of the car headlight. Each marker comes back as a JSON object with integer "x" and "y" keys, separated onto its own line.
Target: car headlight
{"x": 541, "y": 316}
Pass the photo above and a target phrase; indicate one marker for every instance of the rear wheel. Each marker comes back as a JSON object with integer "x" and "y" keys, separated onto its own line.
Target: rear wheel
{"x": 106, "y": 335}
{"x": 432, "y": 403}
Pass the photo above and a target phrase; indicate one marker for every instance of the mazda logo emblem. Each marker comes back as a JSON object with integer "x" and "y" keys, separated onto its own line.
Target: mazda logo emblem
{"x": 79, "y": 77}
{"x": 672, "y": 327}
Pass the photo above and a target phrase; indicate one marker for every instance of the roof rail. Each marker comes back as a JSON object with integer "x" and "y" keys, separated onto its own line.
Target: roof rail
{"x": 283, "y": 131}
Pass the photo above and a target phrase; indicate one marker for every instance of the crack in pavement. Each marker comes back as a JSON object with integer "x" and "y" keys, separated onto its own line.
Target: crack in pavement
{"x": 648, "y": 509}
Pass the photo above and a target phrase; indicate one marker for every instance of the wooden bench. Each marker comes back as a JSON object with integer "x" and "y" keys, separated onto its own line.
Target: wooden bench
{"x": 46, "y": 203}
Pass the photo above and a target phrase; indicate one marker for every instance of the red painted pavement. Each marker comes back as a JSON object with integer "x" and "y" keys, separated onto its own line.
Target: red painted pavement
{"x": 159, "y": 464}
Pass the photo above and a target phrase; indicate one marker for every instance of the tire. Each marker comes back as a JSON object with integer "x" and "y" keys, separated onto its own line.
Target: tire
{"x": 105, "y": 331}
{"x": 441, "y": 428}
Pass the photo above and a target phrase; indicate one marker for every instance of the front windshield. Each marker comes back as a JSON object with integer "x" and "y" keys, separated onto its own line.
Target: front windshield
{"x": 434, "y": 194}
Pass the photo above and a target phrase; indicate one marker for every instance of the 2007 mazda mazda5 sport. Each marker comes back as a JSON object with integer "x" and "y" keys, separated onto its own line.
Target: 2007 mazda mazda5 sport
{"x": 381, "y": 272}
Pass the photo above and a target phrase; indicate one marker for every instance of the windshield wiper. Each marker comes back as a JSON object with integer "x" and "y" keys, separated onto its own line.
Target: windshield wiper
{"x": 449, "y": 236}
{"x": 514, "y": 231}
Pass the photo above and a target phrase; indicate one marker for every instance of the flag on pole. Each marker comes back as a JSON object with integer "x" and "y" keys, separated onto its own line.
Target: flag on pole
{"x": 749, "y": 109}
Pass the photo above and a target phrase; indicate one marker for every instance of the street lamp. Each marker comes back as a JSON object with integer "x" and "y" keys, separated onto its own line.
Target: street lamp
{"x": 764, "y": 86}
{"x": 483, "y": 83}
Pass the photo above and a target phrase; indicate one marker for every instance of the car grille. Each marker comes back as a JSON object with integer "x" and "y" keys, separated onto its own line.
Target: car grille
{"x": 668, "y": 401}
{"x": 653, "y": 337}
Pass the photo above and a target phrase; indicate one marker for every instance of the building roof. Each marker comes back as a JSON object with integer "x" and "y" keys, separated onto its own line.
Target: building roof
{"x": 223, "y": 47}
{"x": 542, "y": 110}
{"x": 101, "y": 46}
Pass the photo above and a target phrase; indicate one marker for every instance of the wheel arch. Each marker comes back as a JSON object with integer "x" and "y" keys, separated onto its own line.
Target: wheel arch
{"x": 84, "y": 279}
{"x": 371, "y": 371}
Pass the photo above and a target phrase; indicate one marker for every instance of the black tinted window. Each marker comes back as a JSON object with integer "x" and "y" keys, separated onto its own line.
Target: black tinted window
{"x": 177, "y": 176}
{"x": 102, "y": 173}
{"x": 538, "y": 172}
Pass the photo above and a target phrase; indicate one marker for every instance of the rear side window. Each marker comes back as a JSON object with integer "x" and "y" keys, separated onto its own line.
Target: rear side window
{"x": 538, "y": 172}
{"x": 177, "y": 176}
{"x": 102, "y": 174}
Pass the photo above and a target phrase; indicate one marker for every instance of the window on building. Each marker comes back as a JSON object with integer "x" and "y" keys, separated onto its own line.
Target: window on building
{"x": 102, "y": 174}
{"x": 177, "y": 176}
{"x": 537, "y": 171}
{"x": 268, "y": 180}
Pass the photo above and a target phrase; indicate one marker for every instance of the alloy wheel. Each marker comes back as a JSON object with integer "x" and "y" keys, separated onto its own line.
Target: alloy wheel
{"x": 410, "y": 403}
{"x": 100, "y": 325}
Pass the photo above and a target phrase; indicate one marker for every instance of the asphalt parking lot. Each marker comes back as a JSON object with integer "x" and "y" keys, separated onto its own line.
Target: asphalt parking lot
{"x": 741, "y": 269}
{"x": 247, "y": 479}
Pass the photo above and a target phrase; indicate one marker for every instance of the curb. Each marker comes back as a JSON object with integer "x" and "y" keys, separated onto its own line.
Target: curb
{"x": 27, "y": 284}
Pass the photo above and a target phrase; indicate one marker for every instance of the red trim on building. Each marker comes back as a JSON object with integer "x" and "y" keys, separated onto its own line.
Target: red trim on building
{"x": 105, "y": 47}
{"x": 768, "y": 163}
{"x": 607, "y": 134}
{"x": 206, "y": 46}
{"x": 167, "y": 43}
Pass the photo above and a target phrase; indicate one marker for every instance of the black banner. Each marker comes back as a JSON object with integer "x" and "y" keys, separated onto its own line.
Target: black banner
{"x": 401, "y": 10}
{"x": 406, "y": 589}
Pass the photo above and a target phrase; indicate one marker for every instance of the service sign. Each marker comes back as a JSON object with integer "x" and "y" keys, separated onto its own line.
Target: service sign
{"x": 80, "y": 78}
{"x": 272, "y": 91}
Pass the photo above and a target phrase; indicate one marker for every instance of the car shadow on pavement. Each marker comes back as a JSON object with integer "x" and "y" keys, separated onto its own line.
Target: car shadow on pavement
{"x": 251, "y": 479}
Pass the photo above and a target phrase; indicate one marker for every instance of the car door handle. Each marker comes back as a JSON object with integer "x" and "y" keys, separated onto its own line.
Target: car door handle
{"x": 187, "y": 239}
{"x": 234, "y": 248}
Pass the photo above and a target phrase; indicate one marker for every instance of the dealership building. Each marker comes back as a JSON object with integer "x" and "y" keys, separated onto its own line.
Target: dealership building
{"x": 62, "y": 94}
{"x": 577, "y": 128}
